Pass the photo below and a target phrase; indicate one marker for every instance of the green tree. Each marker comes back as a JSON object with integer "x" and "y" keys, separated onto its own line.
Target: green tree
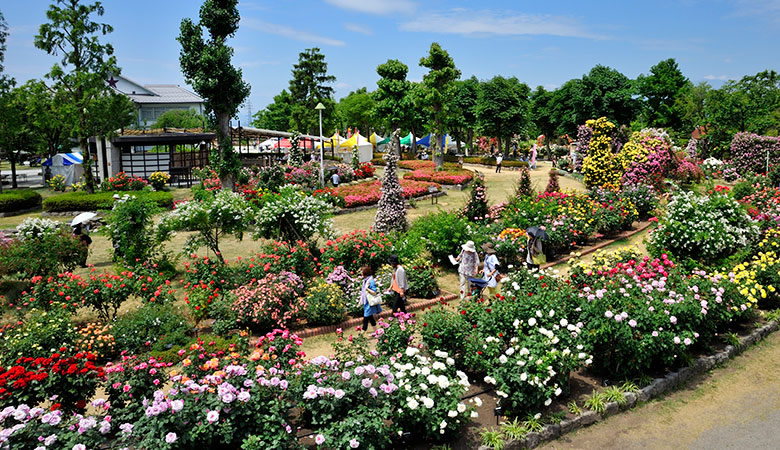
{"x": 391, "y": 98}
{"x": 542, "y": 105}
{"x": 309, "y": 86}
{"x": 439, "y": 85}
{"x": 16, "y": 136}
{"x": 463, "y": 118}
{"x": 607, "y": 92}
{"x": 73, "y": 35}
{"x": 277, "y": 115}
{"x": 180, "y": 118}
{"x": 503, "y": 108}
{"x": 355, "y": 110}
{"x": 207, "y": 66}
{"x": 43, "y": 107}
{"x": 6, "y": 84}
{"x": 660, "y": 90}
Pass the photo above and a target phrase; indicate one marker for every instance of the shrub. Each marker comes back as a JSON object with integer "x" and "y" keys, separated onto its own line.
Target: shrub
{"x": 158, "y": 180}
{"x": 703, "y": 228}
{"x": 96, "y": 338}
{"x": 292, "y": 215}
{"x": 151, "y": 327}
{"x": 17, "y": 200}
{"x": 395, "y": 334}
{"x": 82, "y": 201}
{"x": 476, "y": 209}
{"x": 552, "y": 184}
{"x": 39, "y": 335}
{"x": 46, "y": 254}
{"x": 524, "y": 188}
{"x": 643, "y": 196}
{"x": 324, "y": 304}
{"x": 443, "y": 233}
{"x": 391, "y": 211}
{"x": 57, "y": 183}
{"x": 688, "y": 172}
{"x": 130, "y": 227}
{"x": 275, "y": 301}
{"x": 354, "y": 250}
{"x": 443, "y": 329}
{"x": 123, "y": 182}
{"x": 599, "y": 168}
{"x": 71, "y": 378}
{"x": 422, "y": 278}
{"x": 743, "y": 189}
{"x": 750, "y": 150}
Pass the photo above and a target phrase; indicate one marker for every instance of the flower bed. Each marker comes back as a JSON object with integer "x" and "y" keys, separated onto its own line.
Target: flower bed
{"x": 424, "y": 171}
{"x": 368, "y": 193}
{"x": 82, "y": 201}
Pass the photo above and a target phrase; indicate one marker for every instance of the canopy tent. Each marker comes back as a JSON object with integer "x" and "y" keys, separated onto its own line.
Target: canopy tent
{"x": 407, "y": 140}
{"x": 384, "y": 141}
{"x": 333, "y": 141}
{"x": 276, "y": 143}
{"x": 68, "y": 165}
{"x": 365, "y": 148}
{"x": 376, "y": 139}
{"x": 426, "y": 141}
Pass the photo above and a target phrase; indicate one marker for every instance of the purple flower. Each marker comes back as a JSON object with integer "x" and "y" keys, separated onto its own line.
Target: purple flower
{"x": 366, "y": 382}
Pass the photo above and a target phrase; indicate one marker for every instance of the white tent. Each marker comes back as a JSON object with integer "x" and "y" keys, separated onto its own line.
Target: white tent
{"x": 68, "y": 165}
{"x": 365, "y": 148}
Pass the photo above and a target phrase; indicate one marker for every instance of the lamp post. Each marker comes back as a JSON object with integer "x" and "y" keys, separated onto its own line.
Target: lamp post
{"x": 319, "y": 108}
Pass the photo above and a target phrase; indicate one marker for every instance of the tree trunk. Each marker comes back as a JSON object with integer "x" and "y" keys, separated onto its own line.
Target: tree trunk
{"x": 506, "y": 147}
{"x": 457, "y": 141}
{"x": 395, "y": 146}
{"x": 13, "y": 171}
{"x": 438, "y": 153}
{"x": 414, "y": 143}
{"x": 469, "y": 141}
{"x": 89, "y": 182}
{"x": 549, "y": 154}
{"x": 225, "y": 145}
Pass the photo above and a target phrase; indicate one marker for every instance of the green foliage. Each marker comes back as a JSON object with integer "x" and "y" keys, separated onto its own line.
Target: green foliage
{"x": 443, "y": 233}
{"x": 614, "y": 394}
{"x": 743, "y": 189}
{"x": 47, "y": 254}
{"x": 443, "y": 329}
{"x": 83, "y": 201}
{"x": 660, "y": 89}
{"x": 355, "y": 110}
{"x": 596, "y": 402}
{"x": 324, "y": 304}
{"x": 207, "y": 67}
{"x": 422, "y": 278}
{"x": 492, "y": 438}
{"x": 277, "y": 115}
{"x": 514, "y": 429}
{"x": 131, "y": 230}
{"x": 438, "y": 87}
{"x": 19, "y": 199}
{"x": 523, "y": 187}
{"x": 308, "y": 87}
{"x": 151, "y": 327}
{"x": 292, "y": 215}
{"x": 41, "y": 334}
{"x": 502, "y": 107}
{"x": 476, "y": 210}
{"x": 180, "y": 118}
{"x": 574, "y": 408}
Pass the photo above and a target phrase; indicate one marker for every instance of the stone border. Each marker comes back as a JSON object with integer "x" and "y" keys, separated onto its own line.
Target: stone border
{"x": 657, "y": 388}
{"x": 349, "y": 323}
{"x": 20, "y": 212}
{"x": 68, "y": 213}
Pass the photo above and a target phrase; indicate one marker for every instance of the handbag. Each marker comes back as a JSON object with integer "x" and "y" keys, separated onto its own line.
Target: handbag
{"x": 373, "y": 299}
{"x": 539, "y": 259}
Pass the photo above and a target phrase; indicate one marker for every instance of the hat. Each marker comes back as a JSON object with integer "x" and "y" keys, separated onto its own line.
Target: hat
{"x": 469, "y": 247}
{"x": 393, "y": 260}
{"x": 116, "y": 197}
{"x": 489, "y": 248}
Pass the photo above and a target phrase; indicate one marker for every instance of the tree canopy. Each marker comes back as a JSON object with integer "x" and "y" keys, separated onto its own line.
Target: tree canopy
{"x": 207, "y": 66}
{"x": 392, "y": 102}
{"x": 356, "y": 110}
{"x": 438, "y": 87}
{"x": 660, "y": 90}
{"x": 309, "y": 85}
{"x": 181, "y": 118}
{"x": 502, "y": 107}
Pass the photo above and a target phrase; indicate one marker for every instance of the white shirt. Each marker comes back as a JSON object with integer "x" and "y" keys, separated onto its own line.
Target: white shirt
{"x": 499, "y": 158}
{"x": 491, "y": 261}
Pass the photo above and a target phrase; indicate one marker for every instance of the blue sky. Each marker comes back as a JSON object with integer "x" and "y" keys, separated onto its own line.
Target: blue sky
{"x": 541, "y": 43}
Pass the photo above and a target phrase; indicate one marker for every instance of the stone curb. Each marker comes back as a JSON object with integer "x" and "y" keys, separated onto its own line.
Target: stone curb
{"x": 657, "y": 388}
{"x": 20, "y": 212}
{"x": 349, "y": 323}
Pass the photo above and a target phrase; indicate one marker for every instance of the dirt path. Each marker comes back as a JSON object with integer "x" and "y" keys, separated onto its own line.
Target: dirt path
{"x": 734, "y": 407}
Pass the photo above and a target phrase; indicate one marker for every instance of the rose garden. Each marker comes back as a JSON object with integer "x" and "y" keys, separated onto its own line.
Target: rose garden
{"x": 226, "y": 315}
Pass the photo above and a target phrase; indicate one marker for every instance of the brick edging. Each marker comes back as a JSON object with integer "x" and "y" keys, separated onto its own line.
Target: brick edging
{"x": 349, "y": 323}
{"x": 657, "y": 388}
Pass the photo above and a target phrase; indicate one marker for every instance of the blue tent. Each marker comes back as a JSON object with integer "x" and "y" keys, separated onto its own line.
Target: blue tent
{"x": 68, "y": 159}
{"x": 426, "y": 141}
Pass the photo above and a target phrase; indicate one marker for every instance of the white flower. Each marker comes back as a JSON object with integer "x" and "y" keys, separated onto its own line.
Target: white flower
{"x": 523, "y": 376}
{"x": 502, "y": 359}
{"x": 532, "y": 321}
{"x": 452, "y": 413}
{"x": 510, "y": 351}
{"x": 427, "y": 402}
{"x": 474, "y": 414}
{"x": 490, "y": 380}
{"x": 412, "y": 403}
{"x": 443, "y": 424}
{"x": 477, "y": 401}
{"x": 461, "y": 408}
{"x": 558, "y": 392}
{"x": 547, "y": 402}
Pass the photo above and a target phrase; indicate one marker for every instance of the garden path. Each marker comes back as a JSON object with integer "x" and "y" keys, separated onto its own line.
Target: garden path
{"x": 734, "y": 407}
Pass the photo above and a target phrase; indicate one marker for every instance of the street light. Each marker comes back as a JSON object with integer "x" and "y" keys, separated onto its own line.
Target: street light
{"x": 319, "y": 108}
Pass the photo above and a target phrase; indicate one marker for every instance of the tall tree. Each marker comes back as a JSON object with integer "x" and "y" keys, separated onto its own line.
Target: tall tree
{"x": 72, "y": 34}
{"x": 6, "y": 83}
{"x": 15, "y": 133}
{"x": 44, "y": 112}
{"x": 355, "y": 110}
{"x": 392, "y": 99}
{"x": 207, "y": 66}
{"x": 180, "y": 118}
{"x": 660, "y": 90}
{"x": 309, "y": 86}
{"x": 463, "y": 118}
{"x": 277, "y": 115}
{"x": 607, "y": 92}
{"x": 542, "y": 106}
{"x": 502, "y": 108}
{"x": 439, "y": 84}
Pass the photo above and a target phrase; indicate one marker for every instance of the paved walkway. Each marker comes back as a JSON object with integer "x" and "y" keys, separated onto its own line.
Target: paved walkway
{"x": 735, "y": 407}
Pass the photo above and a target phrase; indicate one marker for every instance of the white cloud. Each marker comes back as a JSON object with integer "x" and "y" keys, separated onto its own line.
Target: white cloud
{"x": 355, "y": 28}
{"x": 379, "y": 7}
{"x": 716, "y": 77}
{"x": 290, "y": 32}
{"x": 484, "y": 23}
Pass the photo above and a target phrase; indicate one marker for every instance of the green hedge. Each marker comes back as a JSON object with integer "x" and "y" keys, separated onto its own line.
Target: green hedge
{"x": 484, "y": 160}
{"x": 81, "y": 201}
{"x": 19, "y": 199}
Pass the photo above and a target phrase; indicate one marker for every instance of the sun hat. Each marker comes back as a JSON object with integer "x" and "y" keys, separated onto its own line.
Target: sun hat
{"x": 469, "y": 247}
{"x": 489, "y": 248}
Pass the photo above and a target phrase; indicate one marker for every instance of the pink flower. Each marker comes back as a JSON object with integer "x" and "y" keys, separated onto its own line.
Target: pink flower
{"x": 673, "y": 319}
{"x": 171, "y": 438}
{"x": 632, "y": 323}
{"x": 676, "y": 340}
{"x": 320, "y": 439}
{"x": 212, "y": 416}
{"x": 353, "y": 443}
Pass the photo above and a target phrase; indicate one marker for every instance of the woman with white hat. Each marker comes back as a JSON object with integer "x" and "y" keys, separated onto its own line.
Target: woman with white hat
{"x": 468, "y": 264}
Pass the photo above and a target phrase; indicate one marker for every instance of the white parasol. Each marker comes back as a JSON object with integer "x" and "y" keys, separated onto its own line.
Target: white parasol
{"x": 83, "y": 218}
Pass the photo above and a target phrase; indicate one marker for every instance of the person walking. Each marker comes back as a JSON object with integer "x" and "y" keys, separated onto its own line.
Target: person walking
{"x": 334, "y": 179}
{"x": 81, "y": 231}
{"x": 368, "y": 288}
{"x": 468, "y": 261}
{"x": 491, "y": 270}
{"x": 532, "y": 163}
{"x": 399, "y": 286}
{"x": 499, "y": 160}
{"x": 534, "y": 253}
